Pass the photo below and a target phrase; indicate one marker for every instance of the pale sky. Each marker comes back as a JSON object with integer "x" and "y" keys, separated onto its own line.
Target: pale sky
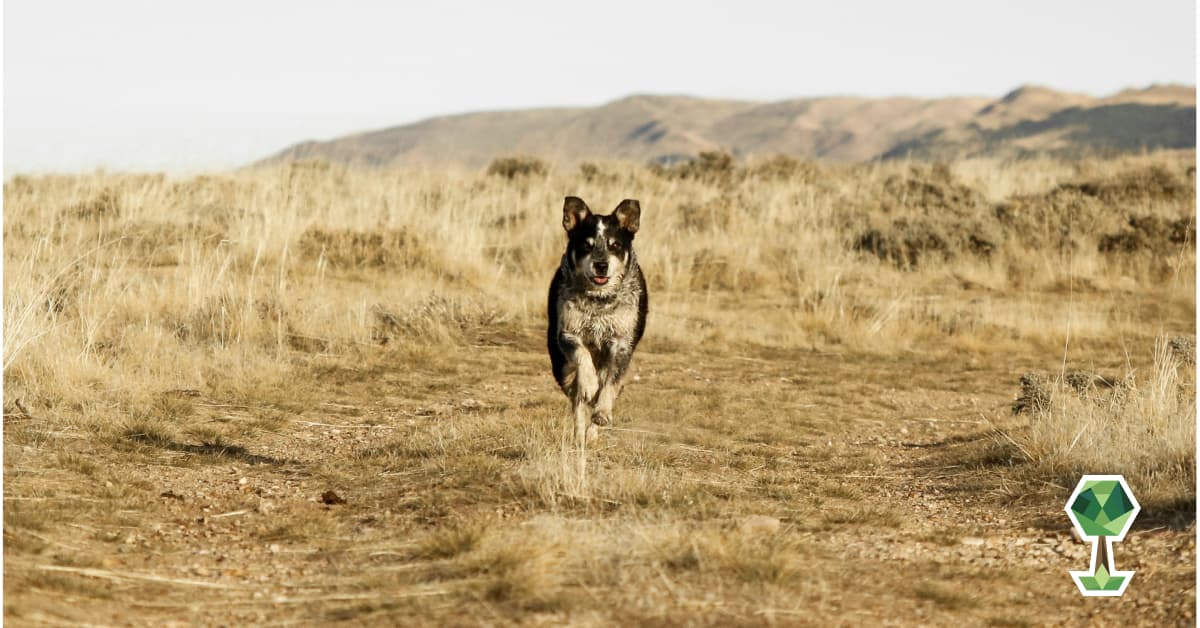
{"x": 190, "y": 86}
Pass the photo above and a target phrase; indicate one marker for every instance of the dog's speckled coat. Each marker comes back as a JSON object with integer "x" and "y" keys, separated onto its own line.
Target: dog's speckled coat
{"x": 597, "y": 310}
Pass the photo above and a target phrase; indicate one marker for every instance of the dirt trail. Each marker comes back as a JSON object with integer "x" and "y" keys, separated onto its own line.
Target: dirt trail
{"x": 882, "y": 476}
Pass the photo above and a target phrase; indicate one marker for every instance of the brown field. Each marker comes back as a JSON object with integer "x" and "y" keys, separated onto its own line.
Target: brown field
{"x": 308, "y": 395}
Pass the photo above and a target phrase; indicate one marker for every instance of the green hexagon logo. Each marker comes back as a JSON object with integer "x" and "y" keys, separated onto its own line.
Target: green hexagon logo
{"x": 1102, "y": 508}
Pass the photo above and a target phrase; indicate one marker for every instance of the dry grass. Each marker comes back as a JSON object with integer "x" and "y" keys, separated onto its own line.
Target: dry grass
{"x": 1142, "y": 426}
{"x": 190, "y": 365}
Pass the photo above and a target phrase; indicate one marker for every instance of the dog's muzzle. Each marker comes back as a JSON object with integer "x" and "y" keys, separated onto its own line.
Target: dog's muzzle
{"x": 600, "y": 273}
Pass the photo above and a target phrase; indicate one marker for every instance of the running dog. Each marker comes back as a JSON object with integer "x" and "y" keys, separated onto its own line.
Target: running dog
{"x": 597, "y": 311}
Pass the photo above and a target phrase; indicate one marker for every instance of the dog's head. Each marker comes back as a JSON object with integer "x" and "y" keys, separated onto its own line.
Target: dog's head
{"x": 599, "y": 247}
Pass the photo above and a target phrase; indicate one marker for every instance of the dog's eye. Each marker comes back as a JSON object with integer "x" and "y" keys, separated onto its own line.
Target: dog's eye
{"x": 615, "y": 245}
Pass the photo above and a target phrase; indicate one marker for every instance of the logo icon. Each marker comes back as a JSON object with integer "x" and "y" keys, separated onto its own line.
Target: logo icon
{"x": 1102, "y": 509}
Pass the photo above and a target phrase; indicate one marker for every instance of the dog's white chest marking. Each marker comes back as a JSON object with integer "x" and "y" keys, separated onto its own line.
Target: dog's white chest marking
{"x": 597, "y": 323}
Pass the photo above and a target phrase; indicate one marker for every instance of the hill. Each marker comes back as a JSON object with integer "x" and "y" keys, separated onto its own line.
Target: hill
{"x": 1028, "y": 120}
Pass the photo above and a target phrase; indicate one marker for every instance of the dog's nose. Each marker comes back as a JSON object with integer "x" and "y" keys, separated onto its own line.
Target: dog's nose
{"x": 601, "y": 268}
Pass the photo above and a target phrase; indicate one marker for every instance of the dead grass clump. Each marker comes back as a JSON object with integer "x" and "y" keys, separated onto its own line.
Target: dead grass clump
{"x": 346, "y": 248}
{"x": 1058, "y": 220}
{"x": 708, "y": 167}
{"x": 19, "y": 185}
{"x": 452, "y": 540}
{"x": 225, "y": 319}
{"x": 711, "y": 270}
{"x": 773, "y": 558}
{"x": 932, "y": 190}
{"x": 1150, "y": 233}
{"x": 520, "y": 166}
{"x": 1078, "y": 211}
{"x": 1139, "y": 185}
{"x": 162, "y": 243}
{"x": 784, "y": 168}
{"x": 712, "y": 215}
{"x": 1144, "y": 429}
{"x": 296, "y": 523}
{"x": 945, "y": 597}
{"x": 905, "y": 243}
{"x": 206, "y": 189}
{"x": 909, "y": 243}
{"x": 440, "y": 319}
{"x": 104, "y": 205}
{"x": 147, "y": 428}
{"x": 526, "y": 569}
{"x": 862, "y": 515}
{"x": 1086, "y": 384}
{"x": 1183, "y": 348}
{"x": 595, "y": 173}
{"x": 927, "y": 216}
{"x": 1035, "y": 393}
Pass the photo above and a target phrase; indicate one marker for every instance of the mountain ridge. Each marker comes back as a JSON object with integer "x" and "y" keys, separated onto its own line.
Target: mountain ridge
{"x": 1030, "y": 119}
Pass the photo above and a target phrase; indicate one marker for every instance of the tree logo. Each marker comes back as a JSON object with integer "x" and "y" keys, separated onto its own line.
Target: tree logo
{"x": 1102, "y": 509}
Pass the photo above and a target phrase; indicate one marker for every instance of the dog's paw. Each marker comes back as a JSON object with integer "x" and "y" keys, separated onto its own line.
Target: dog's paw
{"x": 587, "y": 385}
{"x": 601, "y": 418}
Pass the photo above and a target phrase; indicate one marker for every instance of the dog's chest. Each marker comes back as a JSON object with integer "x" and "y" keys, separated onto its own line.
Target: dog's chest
{"x": 597, "y": 322}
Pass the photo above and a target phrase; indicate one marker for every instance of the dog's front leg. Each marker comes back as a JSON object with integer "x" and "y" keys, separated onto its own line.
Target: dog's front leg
{"x": 610, "y": 379}
{"x": 582, "y": 383}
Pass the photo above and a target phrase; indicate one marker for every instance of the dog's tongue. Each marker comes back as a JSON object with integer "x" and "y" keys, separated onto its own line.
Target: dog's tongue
{"x": 600, "y": 281}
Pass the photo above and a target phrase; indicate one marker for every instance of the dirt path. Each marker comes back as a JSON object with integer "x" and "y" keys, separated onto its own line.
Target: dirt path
{"x": 392, "y": 488}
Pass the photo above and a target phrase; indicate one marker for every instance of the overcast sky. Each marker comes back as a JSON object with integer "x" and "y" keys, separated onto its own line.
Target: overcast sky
{"x": 189, "y": 86}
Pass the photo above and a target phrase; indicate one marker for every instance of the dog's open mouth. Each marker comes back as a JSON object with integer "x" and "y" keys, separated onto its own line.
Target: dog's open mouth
{"x": 599, "y": 281}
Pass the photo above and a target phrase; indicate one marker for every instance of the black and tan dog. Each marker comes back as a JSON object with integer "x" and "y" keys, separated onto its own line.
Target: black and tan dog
{"x": 597, "y": 311}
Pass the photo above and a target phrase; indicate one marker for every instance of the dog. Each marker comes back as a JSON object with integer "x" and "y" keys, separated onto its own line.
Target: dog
{"x": 597, "y": 312}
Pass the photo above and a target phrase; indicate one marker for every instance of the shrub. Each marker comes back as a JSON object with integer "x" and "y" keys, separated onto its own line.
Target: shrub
{"x": 517, "y": 167}
{"x": 708, "y": 166}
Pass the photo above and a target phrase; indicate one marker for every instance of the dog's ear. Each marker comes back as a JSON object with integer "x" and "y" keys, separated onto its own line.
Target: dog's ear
{"x": 629, "y": 215}
{"x": 575, "y": 211}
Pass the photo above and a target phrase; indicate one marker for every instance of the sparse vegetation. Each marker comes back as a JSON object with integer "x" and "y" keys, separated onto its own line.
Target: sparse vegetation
{"x": 1077, "y": 429}
{"x": 314, "y": 393}
{"x": 517, "y": 167}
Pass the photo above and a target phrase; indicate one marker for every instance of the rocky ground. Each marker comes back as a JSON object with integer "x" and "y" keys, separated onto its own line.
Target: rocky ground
{"x": 394, "y": 487}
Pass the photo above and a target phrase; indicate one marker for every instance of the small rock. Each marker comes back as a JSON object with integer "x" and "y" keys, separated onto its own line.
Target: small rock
{"x": 972, "y": 541}
{"x": 244, "y": 481}
{"x": 330, "y": 498}
{"x": 274, "y": 548}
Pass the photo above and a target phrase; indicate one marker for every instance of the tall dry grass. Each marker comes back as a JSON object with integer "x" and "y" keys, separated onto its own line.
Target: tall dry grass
{"x": 1142, "y": 426}
{"x": 119, "y": 287}
{"x": 189, "y": 364}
